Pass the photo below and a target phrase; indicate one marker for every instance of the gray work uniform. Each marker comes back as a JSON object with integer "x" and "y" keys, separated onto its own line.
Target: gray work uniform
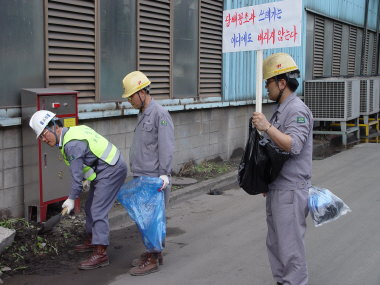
{"x": 103, "y": 189}
{"x": 152, "y": 148}
{"x": 286, "y": 202}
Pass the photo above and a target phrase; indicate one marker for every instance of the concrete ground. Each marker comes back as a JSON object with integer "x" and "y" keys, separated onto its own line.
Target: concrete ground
{"x": 220, "y": 239}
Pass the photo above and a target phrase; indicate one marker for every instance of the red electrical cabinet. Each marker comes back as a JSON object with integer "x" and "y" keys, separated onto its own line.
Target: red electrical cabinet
{"x": 47, "y": 178}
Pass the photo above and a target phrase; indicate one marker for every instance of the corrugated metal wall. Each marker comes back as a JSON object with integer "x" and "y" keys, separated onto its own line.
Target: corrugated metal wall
{"x": 351, "y": 11}
{"x": 239, "y": 67}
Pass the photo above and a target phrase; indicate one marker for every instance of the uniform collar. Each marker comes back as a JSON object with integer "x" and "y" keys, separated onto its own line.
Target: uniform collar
{"x": 288, "y": 99}
{"x": 150, "y": 107}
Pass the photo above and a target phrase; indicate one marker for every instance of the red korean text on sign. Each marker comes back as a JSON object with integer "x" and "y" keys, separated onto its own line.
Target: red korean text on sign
{"x": 265, "y": 37}
{"x": 285, "y": 34}
{"x": 250, "y": 17}
{"x": 240, "y": 18}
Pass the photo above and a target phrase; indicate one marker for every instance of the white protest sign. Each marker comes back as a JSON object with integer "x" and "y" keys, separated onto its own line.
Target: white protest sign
{"x": 271, "y": 25}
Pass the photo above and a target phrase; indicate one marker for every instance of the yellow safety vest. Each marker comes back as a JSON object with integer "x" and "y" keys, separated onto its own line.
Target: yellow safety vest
{"x": 98, "y": 145}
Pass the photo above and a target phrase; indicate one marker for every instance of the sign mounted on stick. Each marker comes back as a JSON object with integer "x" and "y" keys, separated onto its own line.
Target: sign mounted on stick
{"x": 271, "y": 25}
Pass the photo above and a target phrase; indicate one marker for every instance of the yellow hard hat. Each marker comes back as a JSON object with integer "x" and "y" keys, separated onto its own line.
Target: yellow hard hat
{"x": 134, "y": 82}
{"x": 277, "y": 64}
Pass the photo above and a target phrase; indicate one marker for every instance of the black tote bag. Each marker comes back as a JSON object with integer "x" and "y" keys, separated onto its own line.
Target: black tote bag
{"x": 260, "y": 164}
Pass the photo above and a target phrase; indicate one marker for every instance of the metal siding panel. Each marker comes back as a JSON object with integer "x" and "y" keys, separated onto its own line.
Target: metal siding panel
{"x": 372, "y": 14}
{"x": 350, "y": 11}
{"x": 21, "y": 49}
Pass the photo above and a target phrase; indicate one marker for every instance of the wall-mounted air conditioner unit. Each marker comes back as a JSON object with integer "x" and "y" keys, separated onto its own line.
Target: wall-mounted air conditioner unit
{"x": 334, "y": 99}
{"x": 369, "y": 95}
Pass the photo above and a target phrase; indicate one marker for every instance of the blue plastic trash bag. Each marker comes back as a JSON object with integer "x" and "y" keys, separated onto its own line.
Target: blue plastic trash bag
{"x": 146, "y": 207}
{"x": 324, "y": 206}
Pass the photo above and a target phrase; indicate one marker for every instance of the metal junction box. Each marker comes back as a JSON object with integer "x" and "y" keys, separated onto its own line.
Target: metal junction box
{"x": 47, "y": 178}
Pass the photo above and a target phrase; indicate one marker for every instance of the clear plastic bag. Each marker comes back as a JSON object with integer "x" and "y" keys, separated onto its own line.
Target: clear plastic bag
{"x": 324, "y": 206}
{"x": 145, "y": 205}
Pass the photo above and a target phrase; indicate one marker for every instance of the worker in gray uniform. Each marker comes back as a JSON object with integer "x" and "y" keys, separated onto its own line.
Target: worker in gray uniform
{"x": 291, "y": 129}
{"x": 151, "y": 153}
{"x": 90, "y": 157}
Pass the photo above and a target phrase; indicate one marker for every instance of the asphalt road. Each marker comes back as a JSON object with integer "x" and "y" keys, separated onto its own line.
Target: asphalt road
{"x": 220, "y": 239}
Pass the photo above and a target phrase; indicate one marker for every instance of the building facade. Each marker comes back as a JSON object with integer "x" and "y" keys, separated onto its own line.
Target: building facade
{"x": 90, "y": 45}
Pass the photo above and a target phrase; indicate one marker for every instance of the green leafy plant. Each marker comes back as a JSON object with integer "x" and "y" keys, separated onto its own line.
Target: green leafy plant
{"x": 210, "y": 169}
{"x": 14, "y": 223}
{"x": 206, "y": 169}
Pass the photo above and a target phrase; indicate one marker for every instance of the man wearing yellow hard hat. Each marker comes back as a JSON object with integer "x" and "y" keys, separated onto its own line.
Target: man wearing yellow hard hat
{"x": 291, "y": 129}
{"x": 152, "y": 149}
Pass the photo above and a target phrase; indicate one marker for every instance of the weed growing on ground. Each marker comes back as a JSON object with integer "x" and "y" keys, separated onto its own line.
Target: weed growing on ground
{"x": 206, "y": 169}
{"x": 30, "y": 250}
{"x": 14, "y": 223}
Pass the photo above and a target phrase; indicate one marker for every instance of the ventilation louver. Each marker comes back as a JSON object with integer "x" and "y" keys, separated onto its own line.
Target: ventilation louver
{"x": 369, "y": 96}
{"x": 333, "y": 99}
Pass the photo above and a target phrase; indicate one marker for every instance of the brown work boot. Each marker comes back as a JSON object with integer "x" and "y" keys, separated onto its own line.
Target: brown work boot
{"x": 149, "y": 266}
{"x": 141, "y": 260}
{"x": 98, "y": 258}
{"x": 86, "y": 246}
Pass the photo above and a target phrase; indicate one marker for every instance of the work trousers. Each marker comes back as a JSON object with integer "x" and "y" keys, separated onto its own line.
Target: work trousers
{"x": 286, "y": 219}
{"x": 101, "y": 197}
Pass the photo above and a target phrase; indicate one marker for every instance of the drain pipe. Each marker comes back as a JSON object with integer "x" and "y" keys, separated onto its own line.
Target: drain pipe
{"x": 364, "y": 37}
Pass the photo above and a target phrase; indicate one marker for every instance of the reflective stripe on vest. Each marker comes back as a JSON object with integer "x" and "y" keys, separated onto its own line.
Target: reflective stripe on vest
{"x": 88, "y": 173}
{"x": 98, "y": 145}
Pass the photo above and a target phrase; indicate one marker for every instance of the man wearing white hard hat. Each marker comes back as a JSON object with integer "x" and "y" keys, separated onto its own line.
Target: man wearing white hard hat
{"x": 291, "y": 129}
{"x": 152, "y": 149}
{"x": 90, "y": 157}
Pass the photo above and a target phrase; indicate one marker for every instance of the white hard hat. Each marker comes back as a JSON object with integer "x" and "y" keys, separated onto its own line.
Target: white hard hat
{"x": 40, "y": 120}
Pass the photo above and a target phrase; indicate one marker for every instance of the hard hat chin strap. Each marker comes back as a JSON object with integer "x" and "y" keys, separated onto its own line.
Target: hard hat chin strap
{"x": 281, "y": 90}
{"x": 142, "y": 102}
{"x": 146, "y": 89}
{"x": 54, "y": 132}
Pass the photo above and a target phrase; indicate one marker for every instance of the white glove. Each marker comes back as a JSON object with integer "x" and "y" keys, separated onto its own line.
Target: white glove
{"x": 164, "y": 178}
{"x": 69, "y": 204}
